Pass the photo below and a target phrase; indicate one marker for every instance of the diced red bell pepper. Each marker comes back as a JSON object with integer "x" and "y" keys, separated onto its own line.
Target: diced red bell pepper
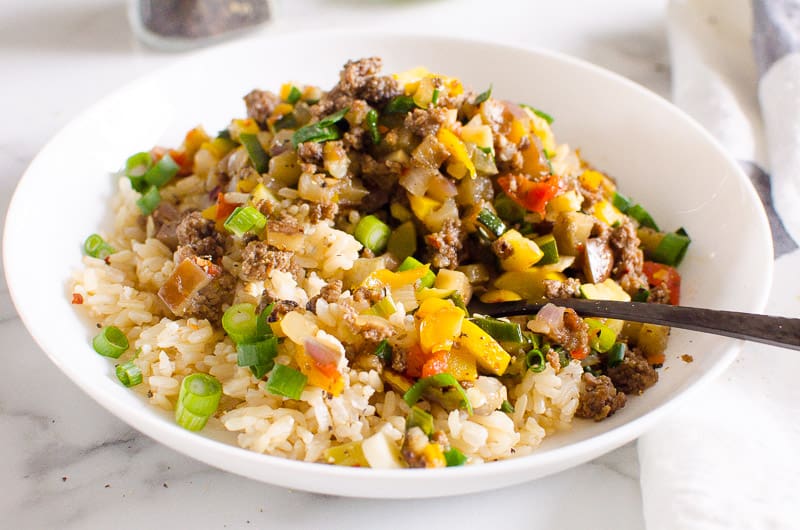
{"x": 436, "y": 364}
{"x": 658, "y": 274}
{"x": 415, "y": 360}
{"x": 529, "y": 194}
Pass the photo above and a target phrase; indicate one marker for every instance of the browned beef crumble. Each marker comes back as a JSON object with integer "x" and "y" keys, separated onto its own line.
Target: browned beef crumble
{"x": 209, "y": 301}
{"x": 628, "y": 257}
{"x": 445, "y": 244}
{"x": 575, "y": 333}
{"x": 330, "y": 292}
{"x": 569, "y": 288}
{"x": 322, "y": 212}
{"x": 599, "y": 398}
{"x": 200, "y": 236}
{"x": 310, "y": 152}
{"x": 634, "y": 375}
{"x": 258, "y": 260}
{"x": 425, "y": 121}
{"x": 502, "y": 248}
{"x": 260, "y": 104}
{"x": 165, "y": 222}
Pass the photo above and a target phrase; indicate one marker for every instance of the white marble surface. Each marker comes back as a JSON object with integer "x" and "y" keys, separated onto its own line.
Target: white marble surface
{"x": 68, "y": 463}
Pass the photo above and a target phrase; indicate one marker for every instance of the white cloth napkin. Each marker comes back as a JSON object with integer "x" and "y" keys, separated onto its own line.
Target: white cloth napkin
{"x": 729, "y": 457}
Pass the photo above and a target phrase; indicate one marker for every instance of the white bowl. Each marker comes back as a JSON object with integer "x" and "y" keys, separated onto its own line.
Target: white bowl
{"x": 659, "y": 156}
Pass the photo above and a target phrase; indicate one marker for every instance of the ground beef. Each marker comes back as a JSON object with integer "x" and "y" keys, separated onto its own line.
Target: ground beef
{"x": 423, "y": 122}
{"x": 367, "y": 360}
{"x": 575, "y": 333}
{"x": 599, "y": 399}
{"x": 198, "y": 234}
{"x": 370, "y": 328}
{"x": 659, "y": 294}
{"x": 628, "y": 257}
{"x": 281, "y": 308}
{"x": 399, "y": 359}
{"x": 258, "y": 260}
{"x": 507, "y": 155}
{"x": 558, "y": 289}
{"x": 634, "y": 374}
{"x": 208, "y": 301}
{"x": 165, "y": 223}
{"x": 310, "y": 152}
{"x": 445, "y": 244}
{"x": 260, "y": 104}
{"x": 329, "y": 292}
{"x": 590, "y": 196}
{"x": 379, "y": 90}
{"x": 322, "y": 211}
{"x": 492, "y": 112}
{"x": 284, "y": 224}
{"x": 502, "y": 248}
{"x": 354, "y": 138}
{"x": 362, "y": 294}
{"x": 355, "y": 74}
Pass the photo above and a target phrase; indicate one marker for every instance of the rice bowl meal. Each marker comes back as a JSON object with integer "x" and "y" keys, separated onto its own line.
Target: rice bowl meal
{"x": 303, "y": 277}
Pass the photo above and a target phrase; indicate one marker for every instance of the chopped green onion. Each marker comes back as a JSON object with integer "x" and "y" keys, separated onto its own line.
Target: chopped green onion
{"x": 454, "y": 457}
{"x": 419, "y": 418}
{"x": 508, "y": 209}
{"x": 263, "y": 328}
{"x": 542, "y": 114}
{"x": 638, "y": 212}
{"x": 601, "y": 337}
{"x": 500, "y": 330}
{"x": 493, "y": 224}
{"x": 162, "y": 171}
{"x": 621, "y": 202}
{"x": 400, "y": 105}
{"x": 616, "y": 354}
{"x": 547, "y": 244}
{"x": 197, "y": 401}
{"x": 149, "y": 200}
{"x": 259, "y": 353}
{"x": 240, "y": 323}
{"x": 129, "y": 374}
{"x": 321, "y": 131}
{"x": 441, "y": 381}
{"x": 372, "y": 126}
{"x": 641, "y": 295}
{"x": 294, "y": 95}
{"x": 435, "y": 96}
{"x": 110, "y": 342}
{"x": 483, "y": 96}
{"x": 287, "y": 382}
{"x": 135, "y": 167}
{"x": 384, "y": 307}
{"x": 96, "y": 247}
{"x": 245, "y": 219}
{"x": 412, "y": 263}
{"x": 507, "y": 407}
{"x": 372, "y": 233}
{"x": 563, "y": 357}
{"x": 255, "y": 151}
{"x": 384, "y": 351}
{"x": 671, "y": 249}
{"x": 535, "y": 361}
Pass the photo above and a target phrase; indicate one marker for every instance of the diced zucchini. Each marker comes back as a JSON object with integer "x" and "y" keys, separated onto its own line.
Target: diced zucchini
{"x": 412, "y": 263}
{"x": 621, "y": 202}
{"x": 455, "y": 281}
{"x": 571, "y": 230}
{"x": 605, "y": 290}
{"x": 547, "y": 244}
{"x": 644, "y": 218}
{"x": 529, "y": 284}
{"x": 403, "y": 241}
{"x": 666, "y": 248}
{"x": 493, "y": 224}
{"x": 400, "y": 212}
{"x": 486, "y": 351}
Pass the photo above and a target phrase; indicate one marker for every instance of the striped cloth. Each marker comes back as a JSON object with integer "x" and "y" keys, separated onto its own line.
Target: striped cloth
{"x": 728, "y": 458}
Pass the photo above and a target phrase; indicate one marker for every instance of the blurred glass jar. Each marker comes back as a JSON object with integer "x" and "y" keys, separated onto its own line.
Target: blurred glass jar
{"x": 182, "y": 24}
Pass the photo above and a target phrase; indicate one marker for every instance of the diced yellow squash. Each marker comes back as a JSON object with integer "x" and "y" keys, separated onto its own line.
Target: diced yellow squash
{"x": 349, "y": 454}
{"x": 569, "y": 201}
{"x": 571, "y": 230}
{"x": 210, "y": 213}
{"x": 260, "y": 193}
{"x": 454, "y": 280}
{"x": 489, "y": 355}
{"x": 607, "y": 213}
{"x": 457, "y": 149}
{"x": 431, "y": 305}
{"x": 395, "y": 280}
{"x": 286, "y": 90}
{"x": 518, "y": 130}
{"x": 524, "y": 252}
{"x": 409, "y": 79}
{"x": 312, "y": 93}
{"x": 433, "y": 292}
{"x": 461, "y": 365}
{"x": 240, "y": 126}
{"x": 439, "y": 328}
{"x": 423, "y": 206}
{"x": 528, "y": 284}
{"x": 219, "y": 147}
{"x": 477, "y": 133}
{"x": 591, "y": 179}
{"x": 608, "y": 289}
{"x": 433, "y": 456}
{"x": 398, "y": 382}
{"x": 499, "y": 295}
{"x": 335, "y": 159}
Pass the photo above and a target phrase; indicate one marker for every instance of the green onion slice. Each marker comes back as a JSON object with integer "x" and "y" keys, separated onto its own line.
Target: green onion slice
{"x": 372, "y": 126}
{"x": 638, "y": 212}
{"x": 255, "y": 151}
{"x": 483, "y": 96}
{"x": 286, "y": 381}
{"x": 542, "y": 114}
{"x": 197, "y": 401}
{"x": 383, "y": 308}
{"x": 372, "y": 233}
{"x": 412, "y": 263}
{"x": 96, "y": 247}
{"x": 260, "y": 353}
{"x": 616, "y": 354}
{"x": 240, "y": 323}
{"x": 245, "y": 219}
{"x": 162, "y": 171}
{"x": 500, "y": 330}
{"x": 149, "y": 200}
{"x": 441, "y": 381}
{"x": 420, "y": 418}
{"x": 535, "y": 361}
{"x": 671, "y": 249}
{"x": 110, "y": 342}
{"x": 400, "y": 105}
{"x": 129, "y": 374}
{"x": 263, "y": 328}
{"x": 135, "y": 167}
{"x": 435, "y": 96}
{"x": 321, "y": 131}
{"x": 454, "y": 457}
{"x": 621, "y": 202}
{"x": 384, "y": 351}
{"x": 294, "y": 95}
{"x": 507, "y": 407}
